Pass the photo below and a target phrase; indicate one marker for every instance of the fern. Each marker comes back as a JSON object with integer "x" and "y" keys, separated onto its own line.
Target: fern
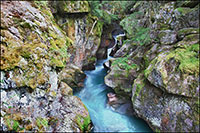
{"x": 123, "y": 63}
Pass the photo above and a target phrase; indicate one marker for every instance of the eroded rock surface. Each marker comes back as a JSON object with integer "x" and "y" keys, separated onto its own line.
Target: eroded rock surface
{"x": 36, "y": 72}
{"x": 164, "y": 82}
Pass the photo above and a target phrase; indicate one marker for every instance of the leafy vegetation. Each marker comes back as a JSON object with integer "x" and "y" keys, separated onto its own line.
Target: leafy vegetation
{"x": 12, "y": 124}
{"x": 41, "y": 122}
{"x": 114, "y": 9}
{"x": 83, "y": 122}
{"x": 188, "y": 58}
{"x": 136, "y": 33}
{"x": 124, "y": 64}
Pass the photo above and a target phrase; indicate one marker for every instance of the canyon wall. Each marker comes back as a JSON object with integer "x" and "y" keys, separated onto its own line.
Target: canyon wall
{"x": 157, "y": 67}
{"x": 44, "y": 48}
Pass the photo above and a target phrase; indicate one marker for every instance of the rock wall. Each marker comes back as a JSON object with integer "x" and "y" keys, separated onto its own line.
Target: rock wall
{"x": 158, "y": 64}
{"x": 37, "y": 74}
{"x": 82, "y": 28}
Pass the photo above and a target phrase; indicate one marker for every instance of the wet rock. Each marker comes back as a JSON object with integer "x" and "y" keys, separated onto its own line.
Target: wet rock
{"x": 111, "y": 98}
{"x": 85, "y": 32}
{"x": 120, "y": 104}
{"x": 65, "y": 89}
{"x": 102, "y": 53}
{"x": 107, "y": 64}
{"x": 123, "y": 50}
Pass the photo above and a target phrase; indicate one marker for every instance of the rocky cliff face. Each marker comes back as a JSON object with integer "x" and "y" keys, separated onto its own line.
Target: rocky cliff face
{"x": 158, "y": 64}
{"x": 82, "y": 28}
{"x": 38, "y": 69}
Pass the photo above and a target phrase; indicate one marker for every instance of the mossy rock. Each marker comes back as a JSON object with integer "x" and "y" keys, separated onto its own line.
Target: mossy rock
{"x": 184, "y": 10}
{"x": 176, "y": 71}
{"x": 42, "y": 123}
{"x": 83, "y": 122}
{"x": 76, "y": 6}
{"x": 188, "y": 41}
{"x": 163, "y": 26}
{"x": 188, "y": 58}
{"x": 137, "y": 86}
{"x": 187, "y": 31}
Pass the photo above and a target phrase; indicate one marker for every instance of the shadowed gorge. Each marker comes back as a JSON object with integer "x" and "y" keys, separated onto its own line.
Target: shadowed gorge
{"x": 99, "y": 66}
{"x": 104, "y": 118}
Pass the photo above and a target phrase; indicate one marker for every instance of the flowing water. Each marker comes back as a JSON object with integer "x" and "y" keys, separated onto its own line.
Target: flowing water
{"x": 94, "y": 96}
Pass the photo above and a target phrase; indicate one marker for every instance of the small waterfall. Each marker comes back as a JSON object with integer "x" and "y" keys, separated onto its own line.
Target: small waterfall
{"x": 115, "y": 38}
{"x": 94, "y": 96}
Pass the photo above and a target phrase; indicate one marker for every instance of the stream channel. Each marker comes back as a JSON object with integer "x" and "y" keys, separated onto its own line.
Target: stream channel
{"x": 94, "y": 96}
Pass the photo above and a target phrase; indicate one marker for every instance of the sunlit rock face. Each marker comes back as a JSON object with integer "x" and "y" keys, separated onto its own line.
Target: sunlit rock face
{"x": 35, "y": 60}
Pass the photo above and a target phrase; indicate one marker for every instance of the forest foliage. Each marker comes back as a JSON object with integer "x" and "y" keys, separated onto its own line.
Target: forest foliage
{"x": 108, "y": 11}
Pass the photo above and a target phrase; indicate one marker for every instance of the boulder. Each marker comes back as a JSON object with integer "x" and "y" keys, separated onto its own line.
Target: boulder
{"x": 72, "y": 76}
{"x": 176, "y": 71}
{"x": 163, "y": 111}
{"x": 43, "y": 111}
{"x": 120, "y": 76}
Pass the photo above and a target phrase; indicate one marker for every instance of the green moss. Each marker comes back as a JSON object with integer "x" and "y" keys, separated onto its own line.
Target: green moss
{"x": 188, "y": 58}
{"x": 75, "y": 6}
{"x": 183, "y": 10}
{"x": 92, "y": 59}
{"x": 83, "y": 122}
{"x": 26, "y": 54}
{"x": 157, "y": 130}
{"x": 56, "y": 62}
{"x": 161, "y": 35}
{"x": 146, "y": 60}
{"x": 194, "y": 47}
{"x": 15, "y": 125}
{"x": 148, "y": 70}
{"x": 116, "y": 75}
{"x": 123, "y": 64}
{"x": 41, "y": 122}
{"x": 98, "y": 28}
{"x": 69, "y": 42}
{"x": 12, "y": 124}
{"x": 139, "y": 84}
{"x": 188, "y": 31}
{"x": 191, "y": 37}
{"x": 163, "y": 26}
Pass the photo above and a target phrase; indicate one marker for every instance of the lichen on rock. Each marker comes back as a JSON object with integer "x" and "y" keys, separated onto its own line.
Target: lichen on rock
{"x": 34, "y": 51}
